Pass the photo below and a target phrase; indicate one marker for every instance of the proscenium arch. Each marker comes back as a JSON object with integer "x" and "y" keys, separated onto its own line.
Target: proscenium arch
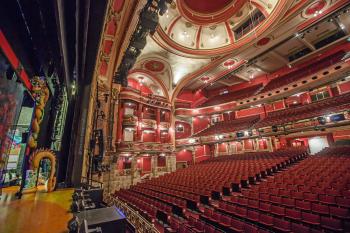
{"x": 154, "y": 78}
{"x": 35, "y": 163}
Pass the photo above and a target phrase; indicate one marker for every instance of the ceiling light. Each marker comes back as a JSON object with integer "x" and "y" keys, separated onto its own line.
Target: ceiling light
{"x": 342, "y": 26}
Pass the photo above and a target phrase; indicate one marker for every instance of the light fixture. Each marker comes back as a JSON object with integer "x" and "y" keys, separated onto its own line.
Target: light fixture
{"x": 74, "y": 88}
{"x": 191, "y": 140}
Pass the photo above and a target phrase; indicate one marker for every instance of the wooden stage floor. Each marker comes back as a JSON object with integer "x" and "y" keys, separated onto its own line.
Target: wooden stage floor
{"x": 35, "y": 213}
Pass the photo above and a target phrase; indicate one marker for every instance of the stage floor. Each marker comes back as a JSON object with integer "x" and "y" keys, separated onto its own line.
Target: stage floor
{"x": 35, "y": 213}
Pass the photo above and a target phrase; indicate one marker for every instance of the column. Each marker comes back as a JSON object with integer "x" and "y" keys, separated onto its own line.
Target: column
{"x": 158, "y": 125}
{"x": 269, "y": 144}
{"x": 194, "y": 155}
{"x": 133, "y": 168}
{"x": 120, "y": 122}
{"x": 228, "y": 148}
{"x": 154, "y": 165}
{"x": 330, "y": 91}
{"x": 256, "y": 141}
{"x": 139, "y": 125}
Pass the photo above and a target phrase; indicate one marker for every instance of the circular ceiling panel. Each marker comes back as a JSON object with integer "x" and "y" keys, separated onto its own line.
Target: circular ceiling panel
{"x": 207, "y": 6}
{"x": 155, "y": 66}
{"x": 202, "y": 12}
{"x": 203, "y": 28}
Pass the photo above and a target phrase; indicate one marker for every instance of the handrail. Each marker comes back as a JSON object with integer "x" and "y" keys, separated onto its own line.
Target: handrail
{"x": 140, "y": 223}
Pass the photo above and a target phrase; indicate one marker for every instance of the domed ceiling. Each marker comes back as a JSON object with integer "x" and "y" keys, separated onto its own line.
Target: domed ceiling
{"x": 211, "y": 28}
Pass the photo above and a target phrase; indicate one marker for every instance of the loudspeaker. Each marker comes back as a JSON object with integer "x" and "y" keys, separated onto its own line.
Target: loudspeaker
{"x": 250, "y": 133}
{"x": 99, "y": 136}
{"x": 24, "y": 137}
{"x": 239, "y": 134}
{"x": 322, "y": 120}
{"x": 274, "y": 128}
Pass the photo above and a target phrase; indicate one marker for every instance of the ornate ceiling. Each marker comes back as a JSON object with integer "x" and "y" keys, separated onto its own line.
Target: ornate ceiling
{"x": 211, "y": 28}
{"x": 224, "y": 44}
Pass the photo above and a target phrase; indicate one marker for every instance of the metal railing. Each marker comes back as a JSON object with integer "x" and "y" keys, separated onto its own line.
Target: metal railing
{"x": 140, "y": 223}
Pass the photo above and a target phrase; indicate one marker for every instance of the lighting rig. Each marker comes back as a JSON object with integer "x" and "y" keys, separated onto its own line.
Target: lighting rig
{"x": 147, "y": 24}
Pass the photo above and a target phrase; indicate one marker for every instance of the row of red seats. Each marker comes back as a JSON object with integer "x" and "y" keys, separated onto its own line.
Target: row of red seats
{"x": 320, "y": 108}
{"x": 228, "y": 126}
{"x": 282, "y": 205}
{"x": 186, "y": 186}
{"x": 232, "y": 96}
{"x": 216, "y": 175}
{"x": 299, "y": 74}
{"x": 293, "y": 114}
{"x": 273, "y": 219}
{"x": 298, "y": 194}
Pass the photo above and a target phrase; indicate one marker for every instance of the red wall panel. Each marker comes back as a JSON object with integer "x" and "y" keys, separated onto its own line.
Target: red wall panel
{"x": 344, "y": 87}
{"x": 248, "y": 144}
{"x": 187, "y": 130}
{"x": 200, "y": 123}
{"x": 202, "y": 153}
{"x": 222, "y": 147}
{"x": 341, "y": 135}
{"x": 161, "y": 162}
{"x": 146, "y": 164}
{"x": 184, "y": 155}
{"x": 148, "y": 137}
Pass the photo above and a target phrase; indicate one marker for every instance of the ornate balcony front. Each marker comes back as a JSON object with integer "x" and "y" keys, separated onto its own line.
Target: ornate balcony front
{"x": 140, "y": 147}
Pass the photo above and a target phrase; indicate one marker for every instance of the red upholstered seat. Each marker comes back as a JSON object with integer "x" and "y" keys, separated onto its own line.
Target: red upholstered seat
{"x": 331, "y": 224}
{"x": 339, "y": 212}
{"x": 266, "y": 219}
{"x": 237, "y": 225}
{"x": 281, "y": 225}
{"x": 293, "y": 214}
{"x": 303, "y": 205}
{"x": 319, "y": 208}
{"x": 253, "y": 215}
{"x": 278, "y": 210}
{"x": 327, "y": 199}
{"x": 296, "y": 228}
{"x": 309, "y": 218}
{"x": 249, "y": 228}
{"x": 264, "y": 206}
{"x": 225, "y": 220}
{"x": 343, "y": 202}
